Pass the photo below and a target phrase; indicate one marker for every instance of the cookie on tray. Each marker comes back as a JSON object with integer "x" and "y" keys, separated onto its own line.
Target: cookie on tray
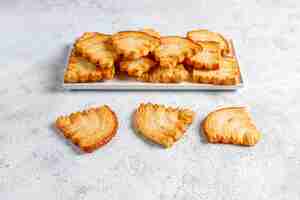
{"x": 227, "y": 74}
{"x": 202, "y": 36}
{"x": 80, "y": 70}
{"x": 208, "y": 58}
{"x": 97, "y": 48}
{"x": 174, "y": 50}
{"x": 160, "y": 74}
{"x": 137, "y": 67}
{"x": 134, "y": 44}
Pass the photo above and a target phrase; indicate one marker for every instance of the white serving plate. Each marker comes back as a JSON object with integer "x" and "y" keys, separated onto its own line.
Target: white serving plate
{"x": 128, "y": 84}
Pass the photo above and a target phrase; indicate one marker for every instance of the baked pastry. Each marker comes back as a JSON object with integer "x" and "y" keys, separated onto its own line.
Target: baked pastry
{"x": 202, "y": 36}
{"x": 134, "y": 44}
{"x": 160, "y": 124}
{"x": 208, "y": 58}
{"x": 160, "y": 74}
{"x": 227, "y": 74}
{"x": 145, "y": 55}
{"x": 174, "y": 50}
{"x": 97, "y": 48}
{"x": 89, "y": 129}
{"x": 137, "y": 67}
{"x": 231, "y": 125}
{"x": 80, "y": 70}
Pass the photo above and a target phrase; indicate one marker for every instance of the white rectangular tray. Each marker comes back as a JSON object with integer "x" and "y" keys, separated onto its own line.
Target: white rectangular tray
{"x": 136, "y": 85}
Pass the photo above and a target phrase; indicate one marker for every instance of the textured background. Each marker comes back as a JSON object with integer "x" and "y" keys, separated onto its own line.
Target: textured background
{"x": 37, "y": 163}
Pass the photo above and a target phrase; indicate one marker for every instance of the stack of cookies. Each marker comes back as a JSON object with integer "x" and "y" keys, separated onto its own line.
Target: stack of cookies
{"x": 200, "y": 57}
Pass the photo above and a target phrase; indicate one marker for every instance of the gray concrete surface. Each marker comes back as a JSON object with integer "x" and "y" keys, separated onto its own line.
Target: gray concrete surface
{"x": 37, "y": 163}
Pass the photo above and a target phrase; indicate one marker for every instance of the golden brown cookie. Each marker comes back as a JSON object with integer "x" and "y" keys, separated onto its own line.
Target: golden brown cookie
{"x": 231, "y": 125}
{"x": 97, "y": 48}
{"x": 202, "y": 36}
{"x": 89, "y": 129}
{"x": 227, "y": 74}
{"x": 137, "y": 67}
{"x": 134, "y": 44}
{"x": 160, "y": 74}
{"x": 160, "y": 124}
{"x": 208, "y": 58}
{"x": 174, "y": 50}
{"x": 79, "y": 70}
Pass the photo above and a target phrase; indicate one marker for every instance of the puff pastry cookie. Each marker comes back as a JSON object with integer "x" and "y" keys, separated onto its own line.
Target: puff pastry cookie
{"x": 97, "y": 48}
{"x": 174, "y": 49}
{"x": 134, "y": 44}
{"x": 208, "y": 58}
{"x": 160, "y": 74}
{"x": 227, "y": 74}
{"x": 202, "y": 36}
{"x": 89, "y": 129}
{"x": 80, "y": 70}
{"x": 138, "y": 66}
{"x": 160, "y": 124}
{"x": 231, "y": 125}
